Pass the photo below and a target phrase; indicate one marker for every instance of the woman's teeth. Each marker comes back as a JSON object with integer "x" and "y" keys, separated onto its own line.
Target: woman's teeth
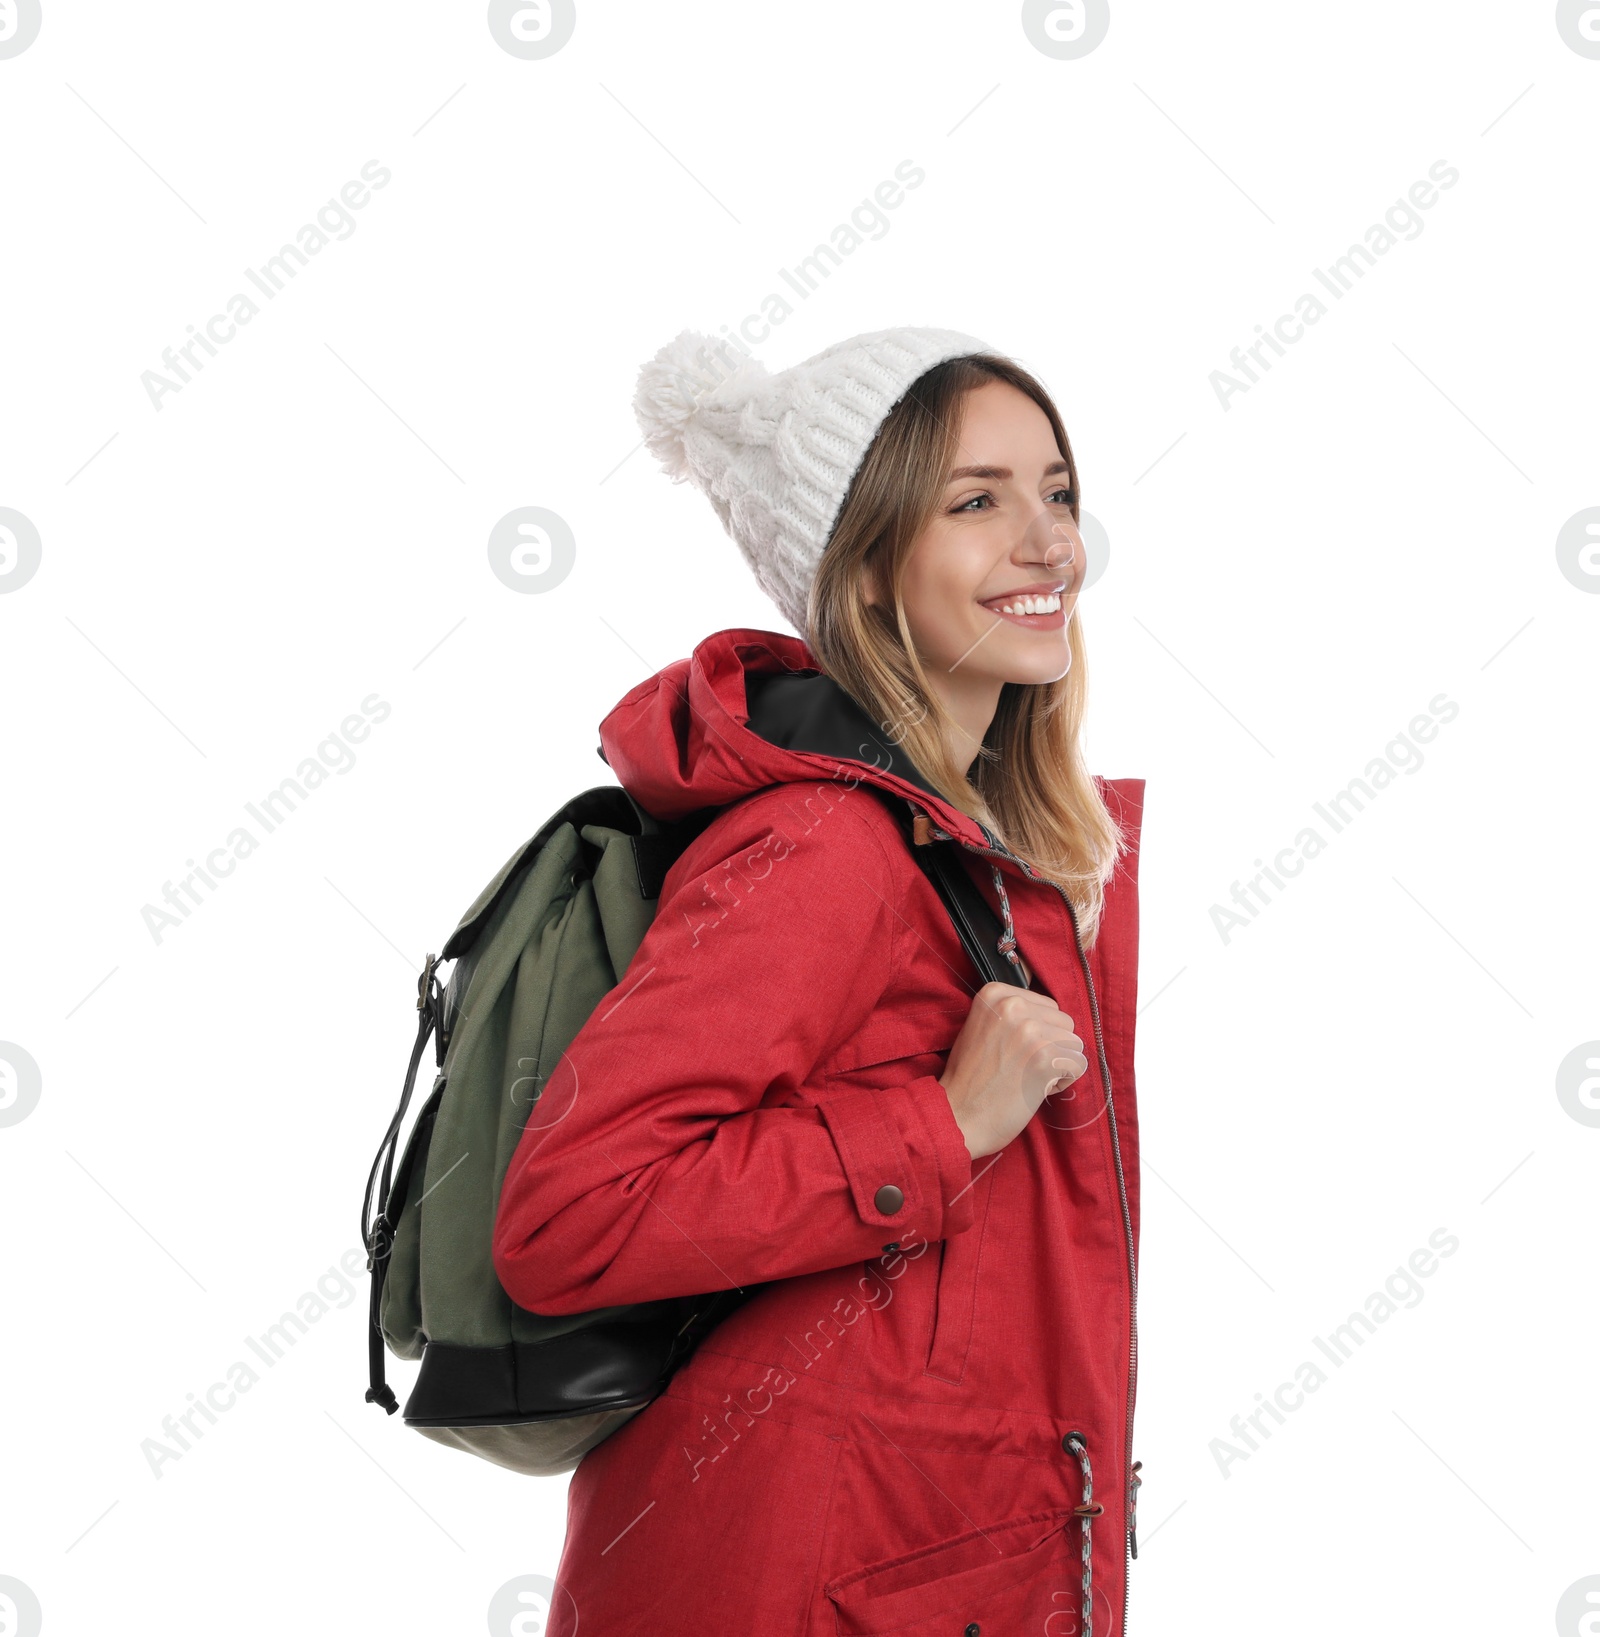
{"x": 1029, "y": 605}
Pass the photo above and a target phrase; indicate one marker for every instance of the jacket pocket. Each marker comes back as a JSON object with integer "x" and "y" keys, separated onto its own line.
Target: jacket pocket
{"x": 956, "y": 1288}
{"x": 1008, "y": 1578}
{"x": 888, "y": 1050}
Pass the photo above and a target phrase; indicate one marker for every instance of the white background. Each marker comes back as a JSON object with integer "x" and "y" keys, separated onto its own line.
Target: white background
{"x": 1291, "y": 580}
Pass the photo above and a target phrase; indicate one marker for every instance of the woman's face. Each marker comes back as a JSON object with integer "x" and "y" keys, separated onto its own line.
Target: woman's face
{"x": 1003, "y": 530}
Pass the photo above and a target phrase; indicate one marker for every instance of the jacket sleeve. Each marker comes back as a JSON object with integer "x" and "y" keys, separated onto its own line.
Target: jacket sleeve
{"x": 681, "y": 1145}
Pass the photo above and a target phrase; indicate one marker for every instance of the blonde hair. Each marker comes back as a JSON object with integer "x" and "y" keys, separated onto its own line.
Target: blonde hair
{"x": 1031, "y": 785}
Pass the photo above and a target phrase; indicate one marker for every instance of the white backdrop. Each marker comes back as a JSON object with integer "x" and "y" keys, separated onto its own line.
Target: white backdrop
{"x": 201, "y": 583}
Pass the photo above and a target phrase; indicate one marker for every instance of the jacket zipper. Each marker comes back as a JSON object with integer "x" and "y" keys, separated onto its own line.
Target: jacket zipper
{"x": 1132, "y": 1480}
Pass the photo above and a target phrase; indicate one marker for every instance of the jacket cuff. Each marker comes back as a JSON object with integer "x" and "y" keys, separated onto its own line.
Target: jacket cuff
{"x": 950, "y": 1151}
{"x": 903, "y": 1138}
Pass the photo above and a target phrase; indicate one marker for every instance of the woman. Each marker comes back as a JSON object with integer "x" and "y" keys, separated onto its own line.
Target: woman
{"x": 919, "y": 1418}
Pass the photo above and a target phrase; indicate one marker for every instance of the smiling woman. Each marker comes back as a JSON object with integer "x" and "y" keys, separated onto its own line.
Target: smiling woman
{"x": 799, "y": 1077}
{"x": 952, "y": 576}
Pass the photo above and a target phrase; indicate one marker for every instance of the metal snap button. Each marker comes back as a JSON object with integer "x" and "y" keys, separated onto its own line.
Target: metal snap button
{"x": 888, "y": 1199}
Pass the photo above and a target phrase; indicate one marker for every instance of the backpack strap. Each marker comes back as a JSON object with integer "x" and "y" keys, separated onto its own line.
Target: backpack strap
{"x": 377, "y": 1232}
{"x": 968, "y": 909}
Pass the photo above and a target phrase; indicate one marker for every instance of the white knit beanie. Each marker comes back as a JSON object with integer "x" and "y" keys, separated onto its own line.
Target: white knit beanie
{"x": 775, "y": 454}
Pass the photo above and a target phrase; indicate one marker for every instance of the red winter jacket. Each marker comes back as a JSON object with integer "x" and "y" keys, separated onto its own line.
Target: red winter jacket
{"x": 880, "y": 1439}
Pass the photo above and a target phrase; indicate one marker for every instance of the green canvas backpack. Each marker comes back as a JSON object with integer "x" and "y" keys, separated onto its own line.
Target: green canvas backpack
{"x": 540, "y": 947}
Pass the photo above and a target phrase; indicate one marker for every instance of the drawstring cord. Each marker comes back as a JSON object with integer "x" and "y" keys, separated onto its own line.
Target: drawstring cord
{"x": 1008, "y": 936}
{"x": 1088, "y": 1508}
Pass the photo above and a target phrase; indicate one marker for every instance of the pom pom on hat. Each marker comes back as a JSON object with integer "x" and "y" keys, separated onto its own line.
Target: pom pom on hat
{"x": 775, "y": 453}
{"x": 675, "y": 384}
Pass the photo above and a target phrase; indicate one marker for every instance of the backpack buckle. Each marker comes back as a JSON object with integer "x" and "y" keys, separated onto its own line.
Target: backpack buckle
{"x": 380, "y": 1241}
{"x": 425, "y": 982}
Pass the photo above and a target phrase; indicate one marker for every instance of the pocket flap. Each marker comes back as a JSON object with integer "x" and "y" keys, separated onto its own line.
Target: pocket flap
{"x": 953, "y": 1578}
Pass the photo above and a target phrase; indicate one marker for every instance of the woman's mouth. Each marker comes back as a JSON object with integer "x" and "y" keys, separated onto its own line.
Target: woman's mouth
{"x": 1035, "y": 611}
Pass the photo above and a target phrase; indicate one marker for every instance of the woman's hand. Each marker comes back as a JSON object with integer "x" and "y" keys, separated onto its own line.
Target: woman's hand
{"x": 1016, "y": 1047}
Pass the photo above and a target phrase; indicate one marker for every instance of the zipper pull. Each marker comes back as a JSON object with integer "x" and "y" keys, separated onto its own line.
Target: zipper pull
{"x": 1134, "y": 1481}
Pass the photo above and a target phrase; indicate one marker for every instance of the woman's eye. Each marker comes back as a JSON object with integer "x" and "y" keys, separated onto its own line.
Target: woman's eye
{"x": 1062, "y": 497}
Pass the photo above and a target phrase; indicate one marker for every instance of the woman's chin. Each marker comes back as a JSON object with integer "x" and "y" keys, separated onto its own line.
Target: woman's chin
{"x": 1030, "y": 656}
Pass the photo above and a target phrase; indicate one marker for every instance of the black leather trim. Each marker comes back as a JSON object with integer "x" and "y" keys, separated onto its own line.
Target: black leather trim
{"x": 598, "y": 1367}
{"x": 609, "y": 1365}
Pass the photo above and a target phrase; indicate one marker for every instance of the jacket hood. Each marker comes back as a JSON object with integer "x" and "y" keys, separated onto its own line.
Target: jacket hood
{"x": 749, "y": 709}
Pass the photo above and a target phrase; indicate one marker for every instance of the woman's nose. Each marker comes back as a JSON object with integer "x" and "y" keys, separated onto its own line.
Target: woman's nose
{"x": 1050, "y": 541}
